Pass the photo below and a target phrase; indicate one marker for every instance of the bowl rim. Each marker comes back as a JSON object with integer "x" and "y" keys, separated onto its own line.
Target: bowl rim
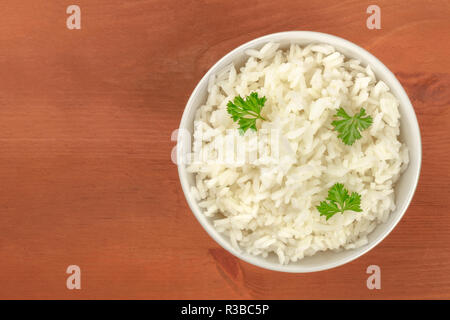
{"x": 311, "y": 36}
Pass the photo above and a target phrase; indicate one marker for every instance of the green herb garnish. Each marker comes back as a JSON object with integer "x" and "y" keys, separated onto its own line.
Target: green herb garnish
{"x": 339, "y": 201}
{"x": 349, "y": 127}
{"x": 247, "y": 111}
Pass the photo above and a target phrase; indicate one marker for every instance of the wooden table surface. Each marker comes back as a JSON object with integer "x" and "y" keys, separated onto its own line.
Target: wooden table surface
{"x": 86, "y": 176}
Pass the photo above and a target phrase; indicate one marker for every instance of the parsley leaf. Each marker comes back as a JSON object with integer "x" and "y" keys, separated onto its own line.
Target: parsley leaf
{"x": 339, "y": 201}
{"x": 349, "y": 127}
{"x": 247, "y": 111}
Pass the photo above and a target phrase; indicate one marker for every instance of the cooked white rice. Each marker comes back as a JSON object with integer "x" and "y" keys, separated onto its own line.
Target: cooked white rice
{"x": 267, "y": 204}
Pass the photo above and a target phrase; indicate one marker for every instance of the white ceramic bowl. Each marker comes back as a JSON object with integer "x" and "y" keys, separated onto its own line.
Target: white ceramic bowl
{"x": 404, "y": 188}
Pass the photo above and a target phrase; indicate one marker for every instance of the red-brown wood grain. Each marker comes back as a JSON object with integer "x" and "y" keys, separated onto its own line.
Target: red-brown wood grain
{"x": 86, "y": 118}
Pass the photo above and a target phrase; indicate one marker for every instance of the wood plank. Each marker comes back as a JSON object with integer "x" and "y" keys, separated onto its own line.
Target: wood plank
{"x": 85, "y": 123}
